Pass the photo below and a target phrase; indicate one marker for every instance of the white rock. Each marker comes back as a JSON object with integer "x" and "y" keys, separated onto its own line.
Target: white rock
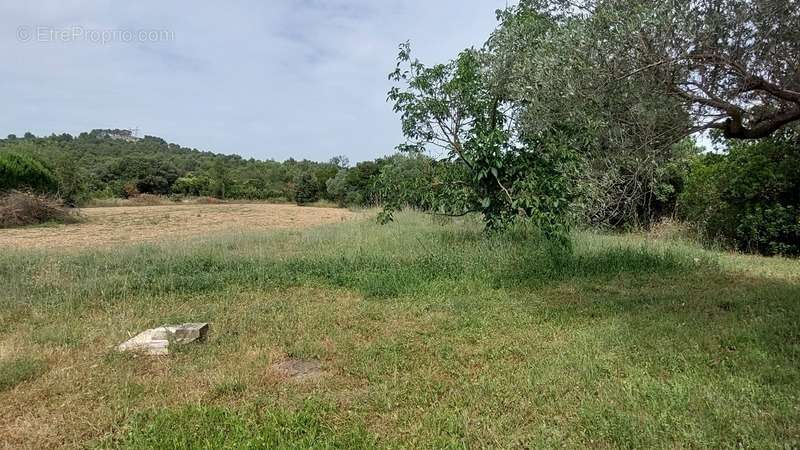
{"x": 156, "y": 341}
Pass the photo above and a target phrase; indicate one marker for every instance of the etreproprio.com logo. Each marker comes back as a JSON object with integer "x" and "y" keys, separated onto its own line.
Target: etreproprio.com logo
{"x": 26, "y": 33}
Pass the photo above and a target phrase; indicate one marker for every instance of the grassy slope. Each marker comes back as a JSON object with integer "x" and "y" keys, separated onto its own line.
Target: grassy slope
{"x": 430, "y": 336}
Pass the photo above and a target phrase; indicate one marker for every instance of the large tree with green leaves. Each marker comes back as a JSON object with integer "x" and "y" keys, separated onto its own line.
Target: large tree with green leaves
{"x": 462, "y": 110}
{"x": 623, "y": 82}
{"x": 729, "y": 65}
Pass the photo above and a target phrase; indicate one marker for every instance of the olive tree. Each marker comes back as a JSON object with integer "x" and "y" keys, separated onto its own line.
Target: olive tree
{"x": 625, "y": 81}
{"x": 731, "y": 65}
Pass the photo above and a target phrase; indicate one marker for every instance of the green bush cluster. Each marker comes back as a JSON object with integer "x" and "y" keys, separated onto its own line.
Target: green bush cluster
{"x": 21, "y": 172}
{"x": 306, "y": 189}
{"x": 750, "y": 197}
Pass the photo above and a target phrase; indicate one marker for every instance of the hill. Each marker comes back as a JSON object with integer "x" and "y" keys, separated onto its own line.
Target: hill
{"x": 108, "y": 166}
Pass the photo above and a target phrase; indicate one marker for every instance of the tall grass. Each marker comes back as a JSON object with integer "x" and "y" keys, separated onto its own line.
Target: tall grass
{"x": 378, "y": 262}
{"x": 428, "y": 336}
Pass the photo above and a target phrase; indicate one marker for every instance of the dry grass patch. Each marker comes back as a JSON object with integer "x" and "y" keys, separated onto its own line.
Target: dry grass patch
{"x": 107, "y": 227}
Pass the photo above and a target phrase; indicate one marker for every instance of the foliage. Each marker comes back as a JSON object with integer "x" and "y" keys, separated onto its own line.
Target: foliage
{"x": 458, "y": 107}
{"x": 749, "y": 197}
{"x": 96, "y": 165}
{"x": 72, "y": 187}
{"x": 730, "y": 65}
{"x": 356, "y": 186}
{"x": 634, "y": 192}
{"x": 306, "y": 188}
{"x": 337, "y": 188}
{"x": 193, "y": 185}
{"x": 93, "y": 165}
{"x": 25, "y": 172}
{"x": 409, "y": 180}
{"x": 623, "y": 81}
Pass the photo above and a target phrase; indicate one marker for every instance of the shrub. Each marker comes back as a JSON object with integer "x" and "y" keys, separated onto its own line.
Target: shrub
{"x": 72, "y": 184}
{"x": 749, "y": 198}
{"x": 130, "y": 190}
{"x": 306, "y": 188}
{"x": 24, "y": 172}
{"x": 192, "y": 185}
{"x": 22, "y": 208}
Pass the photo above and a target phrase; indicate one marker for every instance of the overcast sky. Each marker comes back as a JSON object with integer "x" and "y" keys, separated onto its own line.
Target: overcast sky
{"x": 264, "y": 79}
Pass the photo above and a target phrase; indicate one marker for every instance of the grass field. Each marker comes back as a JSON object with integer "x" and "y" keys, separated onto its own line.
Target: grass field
{"x": 117, "y": 225}
{"x": 426, "y": 335}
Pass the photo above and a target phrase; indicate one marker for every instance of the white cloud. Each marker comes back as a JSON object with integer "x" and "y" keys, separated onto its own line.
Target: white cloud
{"x": 277, "y": 79}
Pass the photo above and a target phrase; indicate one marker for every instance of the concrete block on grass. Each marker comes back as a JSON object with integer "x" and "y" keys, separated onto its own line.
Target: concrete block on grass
{"x": 156, "y": 341}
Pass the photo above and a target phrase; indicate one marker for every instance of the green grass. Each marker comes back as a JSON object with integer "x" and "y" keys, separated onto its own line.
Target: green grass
{"x": 215, "y": 428}
{"x": 429, "y": 336}
{"x": 19, "y": 370}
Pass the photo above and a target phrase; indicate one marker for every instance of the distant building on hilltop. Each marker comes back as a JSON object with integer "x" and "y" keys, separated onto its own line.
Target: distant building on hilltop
{"x": 116, "y": 134}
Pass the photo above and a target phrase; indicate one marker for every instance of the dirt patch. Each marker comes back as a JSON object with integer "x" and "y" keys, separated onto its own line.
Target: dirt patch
{"x": 121, "y": 225}
{"x": 296, "y": 369}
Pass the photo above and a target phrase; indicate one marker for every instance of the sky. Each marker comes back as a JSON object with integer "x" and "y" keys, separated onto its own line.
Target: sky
{"x": 264, "y": 79}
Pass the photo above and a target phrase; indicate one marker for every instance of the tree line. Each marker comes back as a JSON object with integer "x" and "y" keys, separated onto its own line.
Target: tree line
{"x": 97, "y": 165}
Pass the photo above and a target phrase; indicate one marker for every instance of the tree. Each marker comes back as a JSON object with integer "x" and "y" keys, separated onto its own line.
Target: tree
{"x": 220, "y": 176}
{"x": 566, "y": 72}
{"x": 730, "y": 64}
{"x": 71, "y": 181}
{"x": 450, "y": 106}
{"x": 749, "y": 197}
{"x": 408, "y": 180}
{"x": 462, "y": 108}
{"x": 340, "y": 161}
{"x": 24, "y": 172}
{"x": 337, "y": 188}
{"x": 306, "y": 188}
{"x": 192, "y": 185}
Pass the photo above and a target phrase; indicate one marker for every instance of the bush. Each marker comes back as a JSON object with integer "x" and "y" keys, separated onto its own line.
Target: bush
{"x": 749, "y": 198}
{"x": 72, "y": 185}
{"x": 21, "y": 208}
{"x": 24, "y": 172}
{"x": 306, "y": 188}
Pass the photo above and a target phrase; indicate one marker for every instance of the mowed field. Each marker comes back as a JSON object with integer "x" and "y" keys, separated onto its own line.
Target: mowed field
{"x": 417, "y": 334}
{"x": 120, "y": 225}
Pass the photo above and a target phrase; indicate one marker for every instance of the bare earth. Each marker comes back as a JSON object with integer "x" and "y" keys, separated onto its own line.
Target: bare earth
{"x": 121, "y": 225}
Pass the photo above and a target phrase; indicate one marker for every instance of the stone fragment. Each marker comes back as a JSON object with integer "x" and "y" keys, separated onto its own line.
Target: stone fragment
{"x": 189, "y": 332}
{"x": 156, "y": 341}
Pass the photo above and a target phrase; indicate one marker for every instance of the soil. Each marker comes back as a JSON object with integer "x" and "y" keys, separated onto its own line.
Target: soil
{"x": 298, "y": 369}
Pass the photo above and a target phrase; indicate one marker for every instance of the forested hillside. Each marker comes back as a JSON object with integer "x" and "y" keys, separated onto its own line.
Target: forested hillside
{"x": 109, "y": 163}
